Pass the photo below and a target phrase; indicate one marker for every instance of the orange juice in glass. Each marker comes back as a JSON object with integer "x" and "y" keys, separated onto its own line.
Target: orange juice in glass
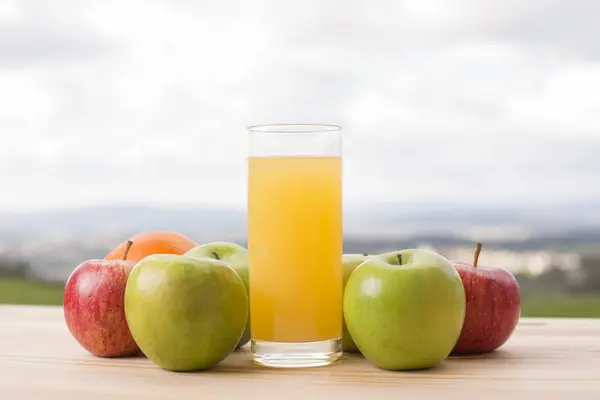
{"x": 295, "y": 244}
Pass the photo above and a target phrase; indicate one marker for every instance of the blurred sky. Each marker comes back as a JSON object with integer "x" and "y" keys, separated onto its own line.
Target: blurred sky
{"x": 447, "y": 101}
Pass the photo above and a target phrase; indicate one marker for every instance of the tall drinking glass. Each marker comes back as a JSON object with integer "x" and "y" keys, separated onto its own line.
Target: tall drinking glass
{"x": 295, "y": 244}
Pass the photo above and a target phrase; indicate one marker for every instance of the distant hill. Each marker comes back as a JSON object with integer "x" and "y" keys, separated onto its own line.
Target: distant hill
{"x": 122, "y": 220}
{"x": 51, "y": 243}
{"x": 404, "y": 220}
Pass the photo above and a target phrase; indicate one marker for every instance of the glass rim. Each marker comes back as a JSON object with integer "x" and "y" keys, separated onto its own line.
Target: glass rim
{"x": 294, "y": 128}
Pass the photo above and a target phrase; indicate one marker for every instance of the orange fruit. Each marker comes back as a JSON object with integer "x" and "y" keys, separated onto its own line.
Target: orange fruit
{"x": 155, "y": 242}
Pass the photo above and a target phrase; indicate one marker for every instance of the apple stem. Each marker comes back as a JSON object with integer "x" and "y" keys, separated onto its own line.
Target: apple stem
{"x": 214, "y": 253}
{"x": 127, "y": 247}
{"x": 477, "y": 251}
{"x": 399, "y": 257}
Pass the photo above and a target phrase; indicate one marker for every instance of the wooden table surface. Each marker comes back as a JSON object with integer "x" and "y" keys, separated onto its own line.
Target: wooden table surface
{"x": 545, "y": 359}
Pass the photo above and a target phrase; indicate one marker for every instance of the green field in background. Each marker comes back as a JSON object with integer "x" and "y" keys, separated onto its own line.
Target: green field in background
{"x": 582, "y": 306}
{"x": 20, "y": 291}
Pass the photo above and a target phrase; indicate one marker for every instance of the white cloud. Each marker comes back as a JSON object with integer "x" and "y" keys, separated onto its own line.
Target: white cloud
{"x": 568, "y": 102}
{"x": 148, "y": 100}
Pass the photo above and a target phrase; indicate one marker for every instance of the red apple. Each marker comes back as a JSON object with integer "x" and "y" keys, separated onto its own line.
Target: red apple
{"x": 493, "y": 307}
{"x": 93, "y": 305}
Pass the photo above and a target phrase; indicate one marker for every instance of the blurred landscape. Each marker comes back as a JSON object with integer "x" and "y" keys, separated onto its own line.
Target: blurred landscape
{"x": 554, "y": 252}
{"x": 461, "y": 121}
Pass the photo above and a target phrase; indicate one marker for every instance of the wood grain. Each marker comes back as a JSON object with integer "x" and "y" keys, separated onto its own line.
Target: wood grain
{"x": 545, "y": 359}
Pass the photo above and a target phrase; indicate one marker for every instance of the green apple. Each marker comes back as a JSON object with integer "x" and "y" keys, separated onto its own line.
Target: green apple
{"x": 185, "y": 313}
{"x": 234, "y": 255}
{"x": 350, "y": 262}
{"x": 405, "y": 309}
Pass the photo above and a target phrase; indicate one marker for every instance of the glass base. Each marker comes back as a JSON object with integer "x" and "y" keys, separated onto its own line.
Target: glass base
{"x": 296, "y": 355}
